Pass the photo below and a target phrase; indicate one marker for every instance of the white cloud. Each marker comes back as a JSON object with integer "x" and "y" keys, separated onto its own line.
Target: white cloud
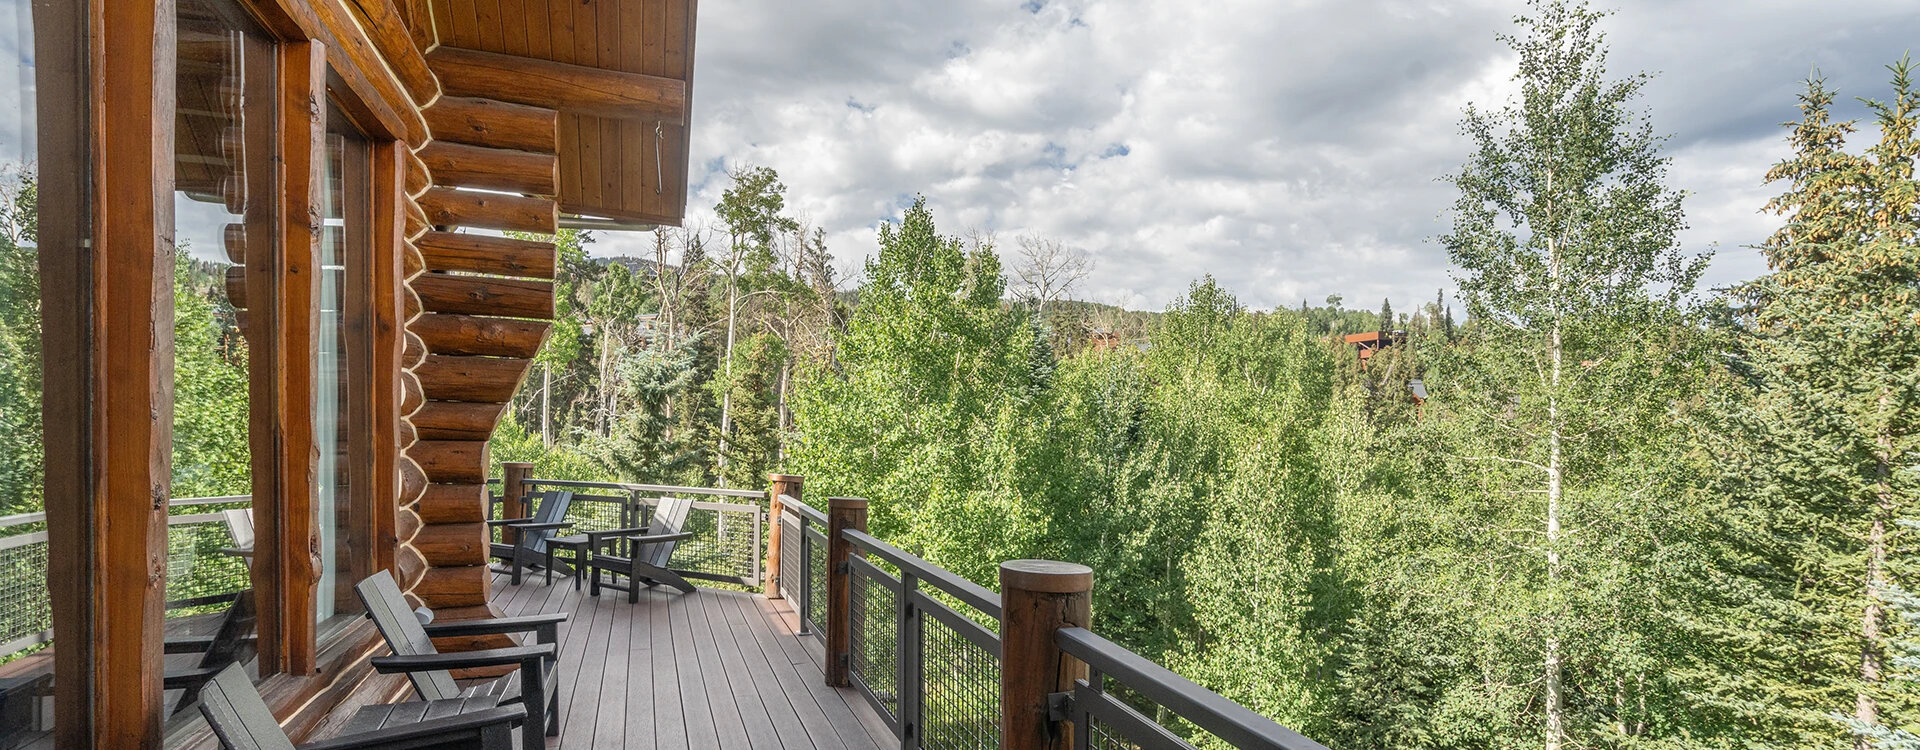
{"x": 1289, "y": 148}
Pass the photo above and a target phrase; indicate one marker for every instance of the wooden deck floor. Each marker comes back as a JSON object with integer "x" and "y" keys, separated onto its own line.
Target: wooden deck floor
{"x": 713, "y": 669}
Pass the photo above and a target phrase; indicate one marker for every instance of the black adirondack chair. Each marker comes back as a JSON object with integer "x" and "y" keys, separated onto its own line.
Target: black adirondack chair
{"x": 647, "y": 551}
{"x": 549, "y": 515}
{"x": 230, "y": 644}
{"x": 242, "y": 722}
{"x": 534, "y": 685}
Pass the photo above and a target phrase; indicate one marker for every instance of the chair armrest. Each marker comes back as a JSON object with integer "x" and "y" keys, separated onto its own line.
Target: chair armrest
{"x": 245, "y": 553}
{"x": 493, "y": 657}
{"x": 540, "y": 526}
{"x": 495, "y": 626}
{"x": 506, "y": 521}
{"x": 187, "y": 644}
{"x": 596, "y": 538}
{"x": 657, "y": 538}
{"x": 188, "y": 678}
{"x": 412, "y": 734}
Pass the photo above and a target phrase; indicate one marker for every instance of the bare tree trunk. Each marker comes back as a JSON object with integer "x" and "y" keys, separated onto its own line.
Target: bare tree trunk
{"x": 546, "y": 405}
{"x": 726, "y": 397}
{"x": 780, "y": 455}
{"x": 1865, "y": 707}
{"x": 1555, "y": 691}
{"x": 606, "y": 379}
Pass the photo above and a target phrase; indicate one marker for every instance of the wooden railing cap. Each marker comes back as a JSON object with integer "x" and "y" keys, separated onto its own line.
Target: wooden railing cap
{"x": 784, "y": 477}
{"x": 518, "y": 464}
{"x": 1046, "y": 576}
{"x": 846, "y": 502}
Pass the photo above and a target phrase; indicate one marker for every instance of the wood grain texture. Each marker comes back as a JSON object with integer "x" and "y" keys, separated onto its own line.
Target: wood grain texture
{"x": 487, "y": 168}
{"x": 387, "y": 30}
{"x": 483, "y": 379}
{"x": 452, "y": 544}
{"x": 576, "y": 89}
{"x": 478, "y": 253}
{"x": 449, "y": 586}
{"x": 484, "y": 295}
{"x": 1038, "y": 598}
{"x": 447, "y": 207}
{"x": 453, "y": 503}
{"x": 495, "y": 124}
{"x": 457, "y": 420}
{"x": 476, "y": 335}
{"x": 451, "y": 461}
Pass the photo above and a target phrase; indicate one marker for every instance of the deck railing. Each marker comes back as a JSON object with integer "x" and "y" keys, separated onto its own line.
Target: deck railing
{"x": 198, "y": 574}
{"x": 726, "y": 545}
{"x": 925, "y": 647}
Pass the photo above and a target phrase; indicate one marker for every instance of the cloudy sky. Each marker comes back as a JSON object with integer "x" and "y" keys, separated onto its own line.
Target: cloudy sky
{"x": 1288, "y": 147}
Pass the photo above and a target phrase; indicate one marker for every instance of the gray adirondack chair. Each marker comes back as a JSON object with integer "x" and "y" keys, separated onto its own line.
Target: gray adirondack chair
{"x": 648, "y": 551}
{"x": 232, "y": 643}
{"x": 534, "y": 685}
{"x": 242, "y": 722}
{"x": 549, "y": 515}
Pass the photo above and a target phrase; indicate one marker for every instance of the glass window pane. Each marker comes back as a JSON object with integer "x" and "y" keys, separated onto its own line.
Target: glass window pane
{"x": 341, "y": 363}
{"x": 223, "y": 146}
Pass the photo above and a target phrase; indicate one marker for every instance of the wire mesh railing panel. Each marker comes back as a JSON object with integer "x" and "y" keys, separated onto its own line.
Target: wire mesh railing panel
{"x": 595, "y": 513}
{"x": 1100, "y": 736}
{"x": 874, "y": 635}
{"x": 197, "y": 571}
{"x": 724, "y": 542}
{"x": 792, "y": 565}
{"x": 816, "y": 554}
{"x": 25, "y": 611}
{"x": 960, "y": 693}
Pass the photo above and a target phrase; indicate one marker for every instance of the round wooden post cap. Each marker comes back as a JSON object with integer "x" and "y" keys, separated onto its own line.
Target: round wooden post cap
{"x": 846, "y": 502}
{"x": 1046, "y": 576}
{"x": 784, "y": 477}
{"x": 517, "y": 464}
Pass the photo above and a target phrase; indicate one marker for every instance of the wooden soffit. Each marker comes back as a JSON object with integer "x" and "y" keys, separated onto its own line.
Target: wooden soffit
{"x": 623, "y": 139}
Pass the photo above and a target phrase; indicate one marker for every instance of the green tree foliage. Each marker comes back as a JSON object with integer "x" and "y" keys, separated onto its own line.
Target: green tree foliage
{"x": 210, "y": 448}
{"x": 1564, "y": 241}
{"x": 21, "y": 477}
{"x": 1818, "y": 448}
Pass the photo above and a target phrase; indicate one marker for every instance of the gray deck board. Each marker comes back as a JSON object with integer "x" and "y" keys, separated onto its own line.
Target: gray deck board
{"x": 720, "y": 669}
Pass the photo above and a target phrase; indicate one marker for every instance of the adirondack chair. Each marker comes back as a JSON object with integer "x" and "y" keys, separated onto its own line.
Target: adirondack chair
{"x": 240, "y": 527}
{"x": 227, "y": 646}
{"x": 242, "y": 722}
{"x": 549, "y": 514}
{"x": 534, "y": 685}
{"x": 647, "y": 551}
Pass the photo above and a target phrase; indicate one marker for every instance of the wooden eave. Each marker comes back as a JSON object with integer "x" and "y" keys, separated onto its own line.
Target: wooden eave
{"x": 619, "y": 72}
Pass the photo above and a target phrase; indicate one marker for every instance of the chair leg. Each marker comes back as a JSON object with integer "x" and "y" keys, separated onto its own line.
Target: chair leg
{"x": 549, "y": 565}
{"x": 662, "y": 575}
{"x": 516, "y": 567}
{"x": 577, "y": 562}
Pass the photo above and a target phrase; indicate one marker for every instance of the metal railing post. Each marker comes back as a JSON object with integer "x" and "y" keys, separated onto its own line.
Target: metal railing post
{"x": 1038, "y": 598}
{"x": 911, "y": 663}
{"x": 783, "y": 484}
{"x": 842, "y": 513}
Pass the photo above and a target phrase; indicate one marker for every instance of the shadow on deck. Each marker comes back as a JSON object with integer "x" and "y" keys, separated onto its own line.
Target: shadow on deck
{"x": 712, "y": 669}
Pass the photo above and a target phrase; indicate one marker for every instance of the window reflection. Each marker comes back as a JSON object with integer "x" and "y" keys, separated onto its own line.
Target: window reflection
{"x": 341, "y": 420}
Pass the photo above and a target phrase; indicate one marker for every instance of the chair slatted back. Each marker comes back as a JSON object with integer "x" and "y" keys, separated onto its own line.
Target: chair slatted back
{"x": 552, "y": 508}
{"x": 239, "y": 717}
{"x": 240, "y": 526}
{"x": 669, "y": 517}
{"x": 231, "y": 642}
{"x": 388, "y": 609}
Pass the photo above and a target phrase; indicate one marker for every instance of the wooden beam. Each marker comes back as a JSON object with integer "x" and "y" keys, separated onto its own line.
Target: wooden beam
{"x": 451, "y": 461}
{"x": 454, "y": 586}
{"x": 491, "y": 337}
{"x": 457, "y": 420}
{"x": 484, "y": 295}
{"x": 420, "y": 26}
{"x": 447, "y": 207}
{"x": 462, "y": 165}
{"x": 479, "y": 253}
{"x": 1038, "y": 599}
{"x": 484, "y": 379}
{"x": 387, "y": 278}
{"x": 418, "y": 177}
{"x": 453, "y": 503}
{"x": 132, "y": 383}
{"x": 452, "y": 544}
{"x": 388, "y": 32}
{"x": 495, "y": 124}
{"x": 576, "y": 89}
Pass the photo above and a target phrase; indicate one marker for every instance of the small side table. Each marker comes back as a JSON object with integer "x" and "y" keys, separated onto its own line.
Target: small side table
{"x": 577, "y": 543}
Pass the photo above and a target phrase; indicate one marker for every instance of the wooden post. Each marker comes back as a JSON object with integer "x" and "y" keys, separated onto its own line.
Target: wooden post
{"x": 842, "y": 513}
{"x": 513, "y": 493}
{"x": 783, "y": 484}
{"x": 1037, "y": 598}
